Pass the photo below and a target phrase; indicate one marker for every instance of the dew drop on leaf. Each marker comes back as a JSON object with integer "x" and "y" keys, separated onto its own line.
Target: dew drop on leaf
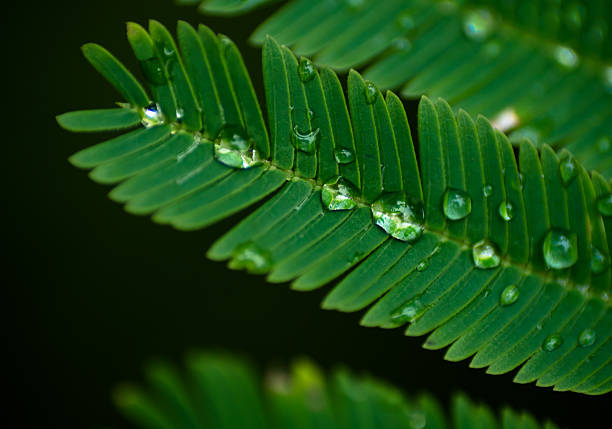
{"x": 306, "y": 70}
{"x": 456, "y": 204}
{"x": 370, "y": 92}
{"x": 409, "y": 312}
{"x": 478, "y": 24}
{"x": 486, "y": 255}
{"x": 599, "y": 261}
{"x": 552, "y": 342}
{"x": 338, "y": 194}
{"x": 234, "y": 149}
{"x": 509, "y": 295}
{"x": 305, "y": 142}
{"x": 568, "y": 169}
{"x": 506, "y": 210}
{"x": 487, "y": 190}
{"x": 422, "y": 266}
{"x": 560, "y": 249}
{"x": 604, "y": 205}
{"x": 405, "y": 21}
{"x": 566, "y": 56}
{"x": 344, "y": 155}
{"x": 251, "y": 257}
{"x": 151, "y": 116}
{"x": 587, "y": 337}
{"x": 399, "y": 217}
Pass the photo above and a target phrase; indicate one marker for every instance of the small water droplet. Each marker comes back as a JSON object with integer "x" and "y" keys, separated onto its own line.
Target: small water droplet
{"x": 409, "y": 312}
{"x": 456, "y": 204}
{"x": 168, "y": 51}
{"x": 604, "y": 205}
{"x": 234, "y": 149}
{"x": 402, "y": 44}
{"x": 422, "y": 266}
{"x": 506, "y": 210}
{"x": 599, "y": 261}
{"x": 539, "y": 326}
{"x": 399, "y": 217}
{"x": 560, "y": 249}
{"x": 478, "y": 24}
{"x": 607, "y": 77}
{"x": 602, "y": 144}
{"x": 587, "y": 338}
{"x": 487, "y": 190}
{"x": 151, "y": 116}
{"x": 566, "y": 56}
{"x": 311, "y": 114}
{"x": 568, "y": 168}
{"x": 305, "y": 142}
{"x": 251, "y": 257}
{"x": 552, "y": 342}
{"x": 370, "y": 92}
{"x": 405, "y": 21}
{"x": 339, "y": 194}
{"x": 306, "y": 70}
{"x": 153, "y": 71}
{"x": 344, "y": 155}
{"x": 509, "y": 295}
{"x": 486, "y": 255}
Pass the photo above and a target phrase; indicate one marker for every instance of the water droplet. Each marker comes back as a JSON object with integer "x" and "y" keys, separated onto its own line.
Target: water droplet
{"x": 509, "y": 295}
{"x": 409, "y": 312}
{"x": 539, "y": 326}
{"x": 402, "y": 44}
{"x": 168, "y": 51}
{"x": 152, "y": 116}
{"x": 370, "y": 92}
{"x": 311, "y": 114}
{"x": 568, "y": 169}
{"x": 552, "y": 342}
{"x": 339, "y": 194}
{"x": 506, "y": 210}
{"x": 599, "y": 261}
{"x": 487, "y": 190}
{"x": 478, "y": 24}
{"x": 604, "y": 205}
{"x": 566, "y": 56}
{"x": 608, "y": 78}
{"x": 180, "y": 113}
{"x": 234, "y": 149}
{"x": 305, "y": 142}
{"x": 251, "y": 257}
{"x": 422, "y": 266}
{"x": 560, "y": 249}
{"x": 306, "y": 70}
{"x": 405, "y": 21}
{"x": 400, "y": 218}
{"x": 485, "y": 255}
{"x": 602, "y": 144}
{"x": 587, "y": 337}
{"x": 344, "y": 155}
{"x": 456, "y": 204}
{"x": 153, "y": 71}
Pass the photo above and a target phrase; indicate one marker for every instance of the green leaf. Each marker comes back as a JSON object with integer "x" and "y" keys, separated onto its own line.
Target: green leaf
{"x": 502, "y": 259}
{"x": 541, "y": 69}
{"x": 208, "y": 391}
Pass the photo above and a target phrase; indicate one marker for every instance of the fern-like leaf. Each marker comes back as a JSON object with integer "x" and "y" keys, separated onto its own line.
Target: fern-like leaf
{"x": 215, "y": 385}
{"x": 542, "y": 69}
{"x": 510, "y": 264}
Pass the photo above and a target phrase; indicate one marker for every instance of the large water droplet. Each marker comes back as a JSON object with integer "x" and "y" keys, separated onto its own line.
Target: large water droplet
{"x": 487, "y": 190}
{"x": 370, "y": 92}
{"x": 509, "y": 295}
{"x": 400, "y": 218}
{"x": 151, "y": 116}
{"x": 506, "y": 210}
{"x": 456, "y": 204}
{"x": 305, "y": 142}
{"x": 604, "y": 205}
{"x": 409, "y": 312}
{"x": 306, "y": 70}
{"x": 251, "y": 257}
{"x": 234, "y": 149}
{"x": 344, "y": 155}
{"x": 339, "y": 194}
{"x": 566, "y": 56}
{"x": 560, "y": 249}
{"x": 568, "y": 168}
{"x": 599, "y": 261}
{"x": 478, "y": 24}
{"x": 552, "y": 342}
{"x": 587, "y": 338}
{"x": 486, "y": 255}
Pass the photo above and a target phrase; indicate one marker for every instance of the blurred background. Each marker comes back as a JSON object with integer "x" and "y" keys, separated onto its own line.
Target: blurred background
{"x": 98, "y": 291}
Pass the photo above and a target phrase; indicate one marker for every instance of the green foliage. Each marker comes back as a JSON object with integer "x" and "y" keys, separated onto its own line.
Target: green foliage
{"x": 509, "y": 264}
{"x": 220, "y": 391}
{"x": 547, "y": 64}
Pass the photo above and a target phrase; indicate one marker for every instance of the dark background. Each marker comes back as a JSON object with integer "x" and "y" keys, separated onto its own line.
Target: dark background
{"x": 96, "y": 292}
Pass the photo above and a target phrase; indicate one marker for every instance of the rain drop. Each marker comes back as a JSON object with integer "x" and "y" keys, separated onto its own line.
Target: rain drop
{"x": 409, "y": 312}
{"x": 478, "y": 24}
{"x": 509, "y": 295}
{"x": 587, "y": 338}
{"x": 487, "y": 190}
{"x": 560, "y": 249}
{"x": 344, "y": 155}
{"x": 305, "y": 142}
{"x": 604, "y": 205}
{"x": 338, "y": 194}
{"x": 370, "y": 92}
{"x": 151, "y": 116}
{"x": 422, "y": 266}
{"x": 599, "y": 261}
{"x": 506, "y": 210}
{"x": 251, "y": 257}
{"x": 234, "y": 149}
{"x": 552, "y": 342}
{"x": 486, "y": 255}
{"x": 306, "y": 70}
{"x": 400, "y": 218}
{"x": 456, "y": 204}
{"x": 568, "y": 169}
